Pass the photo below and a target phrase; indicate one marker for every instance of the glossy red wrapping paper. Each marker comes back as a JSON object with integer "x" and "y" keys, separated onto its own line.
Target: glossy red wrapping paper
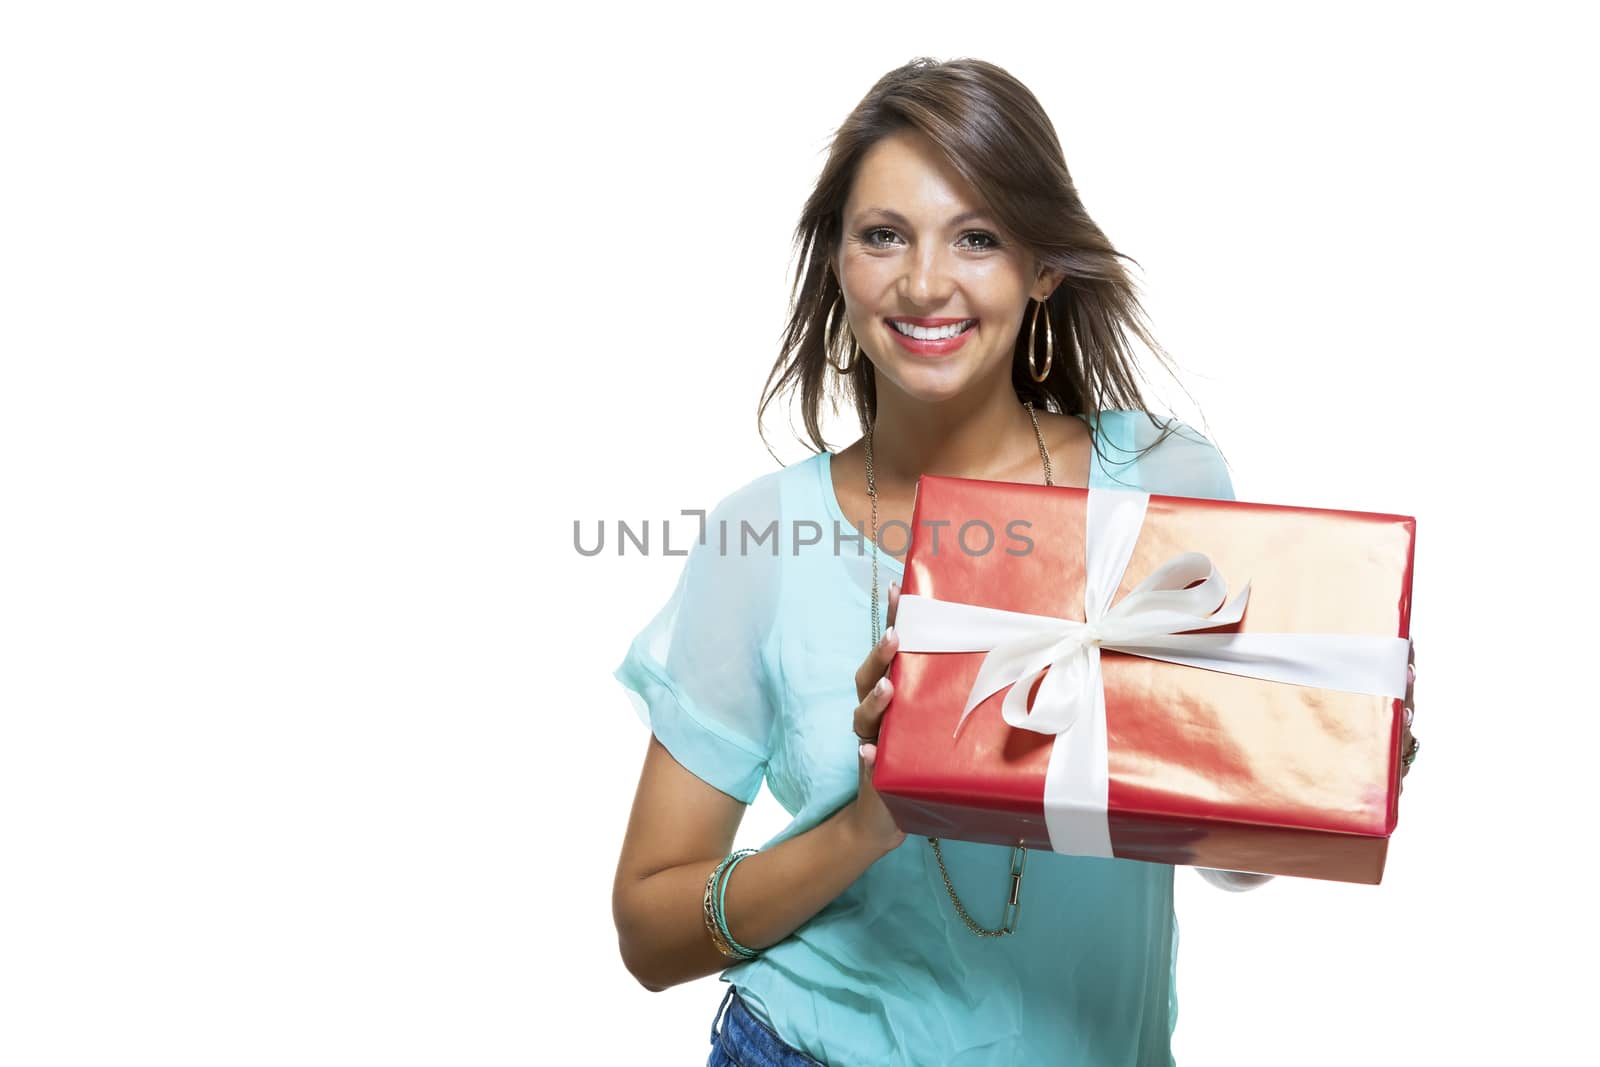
{"x": 1206, "y": 769}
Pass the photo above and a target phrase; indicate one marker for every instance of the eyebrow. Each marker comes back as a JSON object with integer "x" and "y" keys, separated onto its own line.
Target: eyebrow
{"x": 889, "y": 213}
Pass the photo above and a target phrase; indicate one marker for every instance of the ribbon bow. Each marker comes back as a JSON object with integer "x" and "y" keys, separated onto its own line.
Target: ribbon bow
{"x": 1022, "y": 646}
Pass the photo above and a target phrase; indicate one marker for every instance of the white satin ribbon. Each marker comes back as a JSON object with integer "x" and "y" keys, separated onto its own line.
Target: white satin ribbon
{"x": 1150, "y": 621}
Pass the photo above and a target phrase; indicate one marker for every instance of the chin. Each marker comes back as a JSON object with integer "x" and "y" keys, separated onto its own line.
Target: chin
{"x": 931, "y": 395}
{"x": 930, "y": 383}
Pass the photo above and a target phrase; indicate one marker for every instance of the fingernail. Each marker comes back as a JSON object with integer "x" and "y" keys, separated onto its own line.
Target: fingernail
{"x": 888, "y": 635}
{"x": 894, "y": 587}
{"x": 1411, "y": 673}
{"x": 882, "y": 685}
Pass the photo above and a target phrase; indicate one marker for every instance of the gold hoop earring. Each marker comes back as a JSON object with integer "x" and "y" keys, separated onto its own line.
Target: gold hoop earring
{"x": 827, "y": 342}
{"x": 1049, "y": 343}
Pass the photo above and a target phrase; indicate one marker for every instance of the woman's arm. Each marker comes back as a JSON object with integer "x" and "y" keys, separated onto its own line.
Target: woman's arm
{"x": 680, "y": 829}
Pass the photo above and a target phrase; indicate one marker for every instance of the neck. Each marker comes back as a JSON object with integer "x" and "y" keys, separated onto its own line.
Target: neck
{"x": 964, "y": 437}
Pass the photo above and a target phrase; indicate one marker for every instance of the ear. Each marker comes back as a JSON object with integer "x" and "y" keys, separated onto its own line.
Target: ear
{"x": 1046, "y": 284}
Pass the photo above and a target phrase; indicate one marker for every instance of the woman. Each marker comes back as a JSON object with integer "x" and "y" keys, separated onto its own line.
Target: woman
{"x": 943, "y": 223}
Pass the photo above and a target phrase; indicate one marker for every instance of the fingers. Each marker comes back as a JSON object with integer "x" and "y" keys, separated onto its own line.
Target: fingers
{"x": 873, "y": 688}
{"x": 876, "y": 665}
{"x": 1407, "y": 739}
{"x": 869, "y": 713}
{"x": 1410, "y": 704}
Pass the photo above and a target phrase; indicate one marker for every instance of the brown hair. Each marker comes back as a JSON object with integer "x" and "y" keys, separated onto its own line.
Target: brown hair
{"x": 998, "y": 137}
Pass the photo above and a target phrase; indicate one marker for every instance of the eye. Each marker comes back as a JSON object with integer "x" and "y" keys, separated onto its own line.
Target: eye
{"x": 871, "y": 238}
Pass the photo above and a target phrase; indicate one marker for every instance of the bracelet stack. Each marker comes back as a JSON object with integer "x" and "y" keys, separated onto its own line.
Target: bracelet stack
{"x": 716, "y": 922}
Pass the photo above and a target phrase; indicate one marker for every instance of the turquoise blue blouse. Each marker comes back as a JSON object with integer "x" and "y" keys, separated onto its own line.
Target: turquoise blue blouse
{"x": 746, "y": 675}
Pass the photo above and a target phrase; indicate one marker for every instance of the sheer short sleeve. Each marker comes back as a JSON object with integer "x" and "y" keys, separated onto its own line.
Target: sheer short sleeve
{"x": 1185, "y": 464}
{"x": 696, "y": 673}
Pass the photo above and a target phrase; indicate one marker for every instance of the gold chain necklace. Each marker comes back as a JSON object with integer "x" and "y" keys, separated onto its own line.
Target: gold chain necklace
{"x": 1019, "y": 854}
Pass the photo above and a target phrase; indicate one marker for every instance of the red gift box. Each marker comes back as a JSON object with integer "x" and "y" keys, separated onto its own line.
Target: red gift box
{"x": 1182, "y": 764}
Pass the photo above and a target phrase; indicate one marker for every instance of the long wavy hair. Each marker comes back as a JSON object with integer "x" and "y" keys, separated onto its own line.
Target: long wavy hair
{"x": 998, "y": 137}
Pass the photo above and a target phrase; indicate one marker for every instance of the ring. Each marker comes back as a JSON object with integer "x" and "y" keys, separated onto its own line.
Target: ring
{"x": 1410, "y": 756}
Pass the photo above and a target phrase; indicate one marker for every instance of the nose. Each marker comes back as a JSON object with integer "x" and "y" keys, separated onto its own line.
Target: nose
{"x": 928, "y": 279}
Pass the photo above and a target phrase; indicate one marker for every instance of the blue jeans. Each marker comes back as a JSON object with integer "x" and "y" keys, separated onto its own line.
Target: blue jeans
{"x": 746, "y": 1041}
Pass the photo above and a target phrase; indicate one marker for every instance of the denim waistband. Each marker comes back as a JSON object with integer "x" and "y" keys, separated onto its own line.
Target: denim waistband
{"x": 750, "y": 1041}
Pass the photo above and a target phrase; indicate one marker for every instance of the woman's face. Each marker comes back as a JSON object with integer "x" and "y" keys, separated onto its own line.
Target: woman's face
{"x": 917, "y": 245}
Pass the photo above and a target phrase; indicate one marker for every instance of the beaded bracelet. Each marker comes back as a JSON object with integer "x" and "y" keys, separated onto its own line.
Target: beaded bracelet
{"x": 722, "y": 891}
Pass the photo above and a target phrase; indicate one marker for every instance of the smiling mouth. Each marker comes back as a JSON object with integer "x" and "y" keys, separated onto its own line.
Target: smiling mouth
{"x": 932, "y": 333}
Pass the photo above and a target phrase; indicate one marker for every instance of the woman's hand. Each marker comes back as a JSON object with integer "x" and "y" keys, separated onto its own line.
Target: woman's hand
{"x": 1408, "y": 742}
{"x": 872, "y": 819}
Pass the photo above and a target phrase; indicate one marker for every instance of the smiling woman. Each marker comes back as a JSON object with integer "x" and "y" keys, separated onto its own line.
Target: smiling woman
{"x": 943, "y": 223}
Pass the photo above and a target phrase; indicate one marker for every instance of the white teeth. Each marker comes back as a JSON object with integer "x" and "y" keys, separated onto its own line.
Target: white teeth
{"x": 937, "y": 333}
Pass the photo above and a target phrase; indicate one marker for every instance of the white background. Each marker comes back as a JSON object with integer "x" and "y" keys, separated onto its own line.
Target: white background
{"x": 323, "y": 322}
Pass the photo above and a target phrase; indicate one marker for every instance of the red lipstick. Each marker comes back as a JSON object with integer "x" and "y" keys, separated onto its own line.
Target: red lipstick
{"x": 942, "y": 347}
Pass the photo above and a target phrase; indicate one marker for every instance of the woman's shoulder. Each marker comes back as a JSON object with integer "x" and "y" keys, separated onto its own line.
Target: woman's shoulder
{"x": 1166, "y": 454}
{"x": 760, "y": 512}
{"x": 756, "y": 495}
{"x": 1142, "y": 426}
{"x": 1135, "y": 429}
